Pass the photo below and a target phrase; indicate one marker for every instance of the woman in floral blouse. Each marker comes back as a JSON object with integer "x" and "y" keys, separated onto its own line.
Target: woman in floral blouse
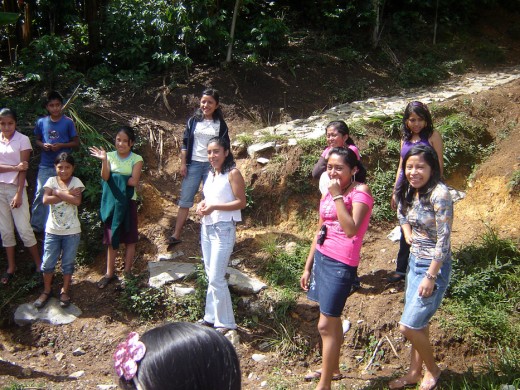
{"x": 425, "y": 211}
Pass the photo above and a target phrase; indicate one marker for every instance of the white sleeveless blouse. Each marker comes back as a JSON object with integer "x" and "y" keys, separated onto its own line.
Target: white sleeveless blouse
{"x": 217, "y": 189}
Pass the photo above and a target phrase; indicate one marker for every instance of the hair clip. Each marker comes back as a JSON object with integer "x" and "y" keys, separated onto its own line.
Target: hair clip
{"x": 127, "y": 354}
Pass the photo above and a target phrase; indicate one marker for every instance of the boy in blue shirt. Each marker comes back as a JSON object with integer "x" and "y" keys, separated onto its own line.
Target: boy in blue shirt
{"x": 55, "y": 133}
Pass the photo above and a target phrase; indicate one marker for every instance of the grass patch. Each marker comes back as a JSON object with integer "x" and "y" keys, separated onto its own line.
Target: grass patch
{"x": 465, "y": 142}
{"x": 483, "y": 298}
{"x": 514, "y": 183}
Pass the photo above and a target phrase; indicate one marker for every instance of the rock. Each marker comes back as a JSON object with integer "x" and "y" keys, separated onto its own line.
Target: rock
{"x": 169, "y": 256}
{"x": 233, "y": 337}
{"x": 262, "y": 160}
{"x": 52, "y": 313}
{"x": 77, "y": 374}
{"x": 179, "y": 291}
{"x": 163, "y": 272}
{"x": 59, "y": 356}
{"x": 106, "y": 387}
{"x": 254, "y": 149}
{"x": 290, "y": 248}
{"x": 78, "y": 352}
{"x": 258, "y": 357}
{"x": 243, "y": 284}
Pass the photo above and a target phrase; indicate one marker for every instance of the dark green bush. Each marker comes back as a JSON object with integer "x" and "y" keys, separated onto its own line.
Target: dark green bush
{"x": 489, "y": 54}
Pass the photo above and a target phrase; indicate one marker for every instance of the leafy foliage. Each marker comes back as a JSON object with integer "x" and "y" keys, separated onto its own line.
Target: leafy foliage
{"x": 463, "y": 140}
{"x": 141, "y": 300}
{"x": 483, "y": 298}
{"x": 381, "y": 184}
{"x": 47, "y": 60}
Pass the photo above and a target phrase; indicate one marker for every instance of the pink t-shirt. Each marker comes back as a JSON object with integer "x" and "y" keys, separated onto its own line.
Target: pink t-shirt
{"x": 351, "y": 147}
{"x": 337, "y": 245}
{"x": 10, "y": 155}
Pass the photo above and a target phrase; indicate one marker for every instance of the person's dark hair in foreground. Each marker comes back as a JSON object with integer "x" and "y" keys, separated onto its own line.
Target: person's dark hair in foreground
{"x": 178, "y": 355}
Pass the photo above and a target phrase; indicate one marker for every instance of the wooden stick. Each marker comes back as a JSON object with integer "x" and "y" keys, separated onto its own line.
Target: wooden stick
{"x": 392, "y": 345}
{"x": 374, "y": 354}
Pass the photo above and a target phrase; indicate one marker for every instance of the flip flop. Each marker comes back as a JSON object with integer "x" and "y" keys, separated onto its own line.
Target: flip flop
{"x": 64, "y": 302}
{"x": 105, "y": 280}
{"x": 316, "y": 375}
{"x": 39, "y": 303}
{"x": 6, "y": 278}
{"x": 172, "y": 242}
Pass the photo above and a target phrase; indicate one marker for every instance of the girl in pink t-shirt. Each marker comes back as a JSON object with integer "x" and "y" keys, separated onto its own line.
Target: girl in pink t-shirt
{"x": 331, "y": 265}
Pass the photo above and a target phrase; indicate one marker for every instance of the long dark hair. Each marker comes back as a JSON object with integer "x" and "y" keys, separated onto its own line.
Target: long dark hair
{"x": 421, "y": 110}
{"x": 347, "y": 155}
{"x": 183, "y": 355}
{"x": 342, "y": 128}
{"x": 229, "y": 161}
{"x": 217, "y": 114}
{"x": 404, "y": 191}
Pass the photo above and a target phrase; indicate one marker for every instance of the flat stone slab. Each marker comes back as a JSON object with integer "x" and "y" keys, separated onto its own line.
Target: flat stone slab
{"x": 52, "y": 313}
{"x": 243, "y": 284}
{"x": 164, "y": 272}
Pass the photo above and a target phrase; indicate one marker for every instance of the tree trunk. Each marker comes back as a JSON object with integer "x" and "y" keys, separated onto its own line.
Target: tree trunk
{"x": 232, "y": 32}
{"x": 435, "y": 22}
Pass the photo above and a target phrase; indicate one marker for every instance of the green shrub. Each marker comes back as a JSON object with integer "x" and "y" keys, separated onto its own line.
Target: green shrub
{"x": 465, "y": 141}
{"x": 482, "y": 299}
{"x": 489, "y": 54}
{"x": 381, "y": 183}
{"x": 428, "y": 71}
{"x": 514, "y": 183}
{"x": 142, "y": 300}
{"x": 46, "y": 60}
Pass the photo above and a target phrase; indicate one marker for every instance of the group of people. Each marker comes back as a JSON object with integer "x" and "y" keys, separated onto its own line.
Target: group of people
{"x": 423, "y": 203}
{"x": 425, "y": 212}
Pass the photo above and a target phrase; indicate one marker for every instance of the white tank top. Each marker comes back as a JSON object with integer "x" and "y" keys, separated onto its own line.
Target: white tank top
{"x": 217, "y": 189}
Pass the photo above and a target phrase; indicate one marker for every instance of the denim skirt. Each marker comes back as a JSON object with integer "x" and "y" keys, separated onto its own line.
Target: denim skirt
{"x": 418, "y": 311}
{"x": 330, "y": 284}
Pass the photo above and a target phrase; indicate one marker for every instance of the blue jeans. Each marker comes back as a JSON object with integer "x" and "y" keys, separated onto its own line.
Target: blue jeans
{"x": 39, "y": 210}
{"x": 54, "y": 245}
{"x": 197, "y": 173}
{"x": 217, "y": 245}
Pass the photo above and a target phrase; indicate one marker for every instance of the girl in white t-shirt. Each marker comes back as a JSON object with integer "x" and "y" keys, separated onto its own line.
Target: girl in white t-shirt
{"x": 15, "y": 150}
{"x": 62, "y": 230}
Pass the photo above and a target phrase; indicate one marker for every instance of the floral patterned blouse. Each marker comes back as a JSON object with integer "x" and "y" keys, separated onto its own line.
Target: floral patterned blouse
{"x": 431, "y": 225}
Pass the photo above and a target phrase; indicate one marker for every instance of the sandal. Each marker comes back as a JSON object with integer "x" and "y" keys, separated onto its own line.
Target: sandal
{"x": 223, "y": 330}
{"x": 172, "y": 242}
{"x": 42, "y": 299}
{"x": 105, "y": 280}
{"x": 6, "y": 278}
{"x": 316, "y": 375}
{"x": 64, "y": 302}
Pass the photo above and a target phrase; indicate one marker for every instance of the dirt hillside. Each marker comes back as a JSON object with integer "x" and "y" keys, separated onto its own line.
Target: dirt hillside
{"x": 29, "y": 354}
